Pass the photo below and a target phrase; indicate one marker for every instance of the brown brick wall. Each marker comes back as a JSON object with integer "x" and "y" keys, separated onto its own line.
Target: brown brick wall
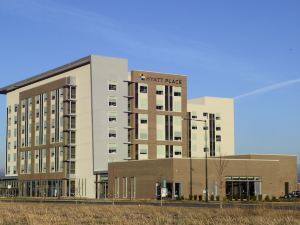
{"x": 273, "y": 172}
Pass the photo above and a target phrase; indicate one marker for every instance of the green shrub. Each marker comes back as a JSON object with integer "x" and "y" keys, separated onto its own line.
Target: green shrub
{"x": 225, "y": 199}
{"x": 190, "y": 197}
{"x": 212, "y": 197}
{"x": 267, "y": 198}
{"x": 218, "y": 198}
{"x": 195, "y": 197}
{"x": 259, "y": 197}
{"x": 236, "y": 198}
{"x": 274, "y": 199}
{"x": 254, "y": 198}
{"x": 229, "y": 197}
{"x": 200, "y": 197}
{"x": 182, "y": 197}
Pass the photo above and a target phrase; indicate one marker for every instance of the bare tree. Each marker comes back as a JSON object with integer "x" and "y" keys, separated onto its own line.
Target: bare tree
{"x": 221, "y": 165}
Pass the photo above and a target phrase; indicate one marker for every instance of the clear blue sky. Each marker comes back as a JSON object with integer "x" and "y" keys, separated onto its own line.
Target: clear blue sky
{"x": 227, "y": 48}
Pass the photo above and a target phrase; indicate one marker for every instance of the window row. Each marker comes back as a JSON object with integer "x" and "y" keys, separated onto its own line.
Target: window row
{"x": 15, "y": 108}
{"x": 194, "y": 115}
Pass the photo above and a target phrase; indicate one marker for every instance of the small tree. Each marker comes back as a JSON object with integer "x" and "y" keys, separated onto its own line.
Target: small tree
{"x": 267, "y": 198}
{"x": 221, "y": 166}
{"x": 200, "y": 197}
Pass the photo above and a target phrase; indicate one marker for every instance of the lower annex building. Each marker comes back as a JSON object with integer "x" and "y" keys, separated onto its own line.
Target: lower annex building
{"x": 93, "y": 129}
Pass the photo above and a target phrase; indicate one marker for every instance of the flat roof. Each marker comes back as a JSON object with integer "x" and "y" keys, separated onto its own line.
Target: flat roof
{"x": 162, "y": 73}
{"x": 198, "y": 158}
{"x": 50, "y": 73}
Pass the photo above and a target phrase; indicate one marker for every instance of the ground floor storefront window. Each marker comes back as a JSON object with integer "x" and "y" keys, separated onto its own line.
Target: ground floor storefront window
{"x": 101, "y": 185}
{"x": 170, "y": 190}
{"x": 243, "y": 187}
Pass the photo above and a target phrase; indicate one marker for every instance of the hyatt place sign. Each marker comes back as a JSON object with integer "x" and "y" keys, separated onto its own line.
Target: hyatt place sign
{"x": 159, "y": 80}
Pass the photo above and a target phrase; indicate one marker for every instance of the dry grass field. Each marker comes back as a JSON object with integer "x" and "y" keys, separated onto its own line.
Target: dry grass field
{"x": 44, "y": 214}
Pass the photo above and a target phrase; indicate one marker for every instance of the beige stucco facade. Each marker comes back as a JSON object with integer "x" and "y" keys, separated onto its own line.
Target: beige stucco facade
{"x": 219, "y": 114}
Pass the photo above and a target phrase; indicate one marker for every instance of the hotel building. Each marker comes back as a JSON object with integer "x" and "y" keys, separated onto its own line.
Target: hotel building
{"x": 94, "y": 129}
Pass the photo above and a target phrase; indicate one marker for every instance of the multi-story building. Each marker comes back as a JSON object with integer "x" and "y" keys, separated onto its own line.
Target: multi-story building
{"x": 157, "y": 106}
{"x": 65, "y": 126}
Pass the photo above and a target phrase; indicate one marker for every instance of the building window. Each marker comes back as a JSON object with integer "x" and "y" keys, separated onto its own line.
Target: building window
{"x": 160, "y": 103}
{"x": 143, "y": 151}
{"x": 177, "y": 93}
{"x": 53, "y": 123}
{"x": 61, "y": 92}
{"x": 37, "y": 100}
{"x": 116, "y": 187}
{"x": 53, "y": 109}
{"x": 124, "y": 179}
{"x": 61, "y": 107}
{"x": 160, "y": 89}
{"x": 218, "y": 137}
{"x": 52, "y": 137}
{"x": 112, "y": 132}
{"x": 177, "y": 99}
{"x": 53, "y": 95}
{"x": 143, "y": 119}
{"x": 194, "y": 115}
{"x": 159, "y": 107}
{"x": 143, "y": 89}
{"x": 16, "y": 108}
{"x": 112, "y": 116}
{"x": 112, "y": 101}
{"x": 37, "y": 113}
{"x": 177, "y": 151}
{"x": 218, "y": 128}
{"x": 61, "y": 136}
{"x": 112, "y": 85}
{"x": 112, "y": 148}
{"x": 161, "y": 127}
{"x": 177, "y": 136}
{"x": 160, "y": 151}
{"x": 45, "y": 97}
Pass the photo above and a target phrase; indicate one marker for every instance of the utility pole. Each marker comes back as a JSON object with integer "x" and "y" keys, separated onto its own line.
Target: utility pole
{"x": 206, "y": 172}
{"x": 205, "y": 128}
